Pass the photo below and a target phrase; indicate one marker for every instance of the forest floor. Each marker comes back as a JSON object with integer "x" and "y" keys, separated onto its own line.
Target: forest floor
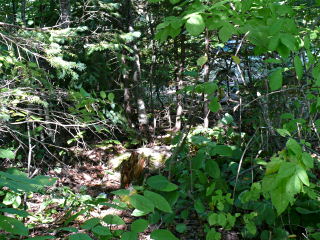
{"x": 96, "y": 172}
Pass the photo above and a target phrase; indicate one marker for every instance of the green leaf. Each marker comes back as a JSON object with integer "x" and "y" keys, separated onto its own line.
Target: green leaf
{"x": 213, "y": 235}
{"x": 141, "y": 203}
{"x": 283, "y": 132}
{"x": 41, "y": 238}
{"x": 18, "y": 212}
{"x": 113, "y": 219}
{"x": 225, "y": 33}
{"x": 279, "y": 199}
{"x": 302, "y": 174}
{"x": 181, "y": 228}
{"x": 202, "y": 60}
{"x": 199, "y": 207}
{"x": 129, "y": 236}
{"x": 236, "y": 59}
{"x": 273, "y": 43}
{"x": 307, "y": 160}
{"x": 89, "y": 224}
{"x": 162, "y": 234}
{"x": 276, "y": 79}
{"x": 293, "y": 185}
{"x": 294, "y": 147}
{"x": 12, "y": 225}
{"x": 217, "y": 219}
{"x": 161, "y": 183}
{"x": 139, "y": 225}
{"x": 111, "y": 97}
{"x": 6, "y": 153}
{"x": 101, "y": 230}
{"x": 214, "y": 105}
{"x": 80, "y": 236}
{"x": 298, "y": 67}
{"x": 195, "y": 24}
{"x": 289, "y": 41}
{"x": 103, "y": 94}
{"x": 159, "y": 202}
{"x": 212, "y": 169}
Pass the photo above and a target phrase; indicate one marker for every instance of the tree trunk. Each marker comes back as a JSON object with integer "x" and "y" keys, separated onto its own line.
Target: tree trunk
{"x": 65, "y": 13}
{"x": 179, "y": 80}
{"x": 23, "y": 12}
{"x": 206, "y": 74}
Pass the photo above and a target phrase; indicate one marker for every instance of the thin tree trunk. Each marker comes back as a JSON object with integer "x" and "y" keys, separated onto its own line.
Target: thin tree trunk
{"x": 23, "y": 12}
{"x": 14, "y": 12}
{"x": 206, "y": 73}
{"x": 65, "y": 13}
{"x": 179, "y": 80}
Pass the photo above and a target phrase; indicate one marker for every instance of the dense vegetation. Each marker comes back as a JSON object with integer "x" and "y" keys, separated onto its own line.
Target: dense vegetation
{"x": 225, "y": 93}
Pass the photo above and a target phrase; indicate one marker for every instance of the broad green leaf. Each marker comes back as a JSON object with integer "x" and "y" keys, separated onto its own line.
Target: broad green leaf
{"x": 181, "y": 228}
{"x": 307, "y": 160}
{"x": 279, "y": 199}
{"x": 12, "y": 225}
{"x": 195, "y": 24}
{"x": 161, "y": 183}
{"x": 199, "y": 207}
{"x": 129, "y": 236}
{"x": 225, "y": 33}
{"x": 103, "y": 94}
{"x": 298, "y": 67}
{"x": 273, "y": 43}
{"x": 101, "y": 231}
{"x": 217, "y": 219}
{"x": 139, "y": 225}
{"x": 6, "y": 153}
{"x": 289, "y": 41}
{"x": 141, "y": 203}
{"x": 113, "y": 219}
{"x": 302, "y": 174}
{"x": 306, "y": 211}
{"x": 89, "y": 224}
{"x": 251, "y": 227}
{"x": 139, "y": 213}
{"x": 283, "y": 132}
{"x": 159, "y": 202}
{"x": 214, "y": 105}
{"x": 213, "y": 235}
{"x": 202, "y": 60}
{"x": 212, "y": 169}
{"x": 18, "y": 212}
{"x": 222, "y": 150}
{"x": 294, "y": 147}
{"x": 293, "y": 185}
{"x": 111, "y": 97}
{"x": 276, "y": 79}
{"x": 162, "y": 234}
{"x": 80, "y": 236}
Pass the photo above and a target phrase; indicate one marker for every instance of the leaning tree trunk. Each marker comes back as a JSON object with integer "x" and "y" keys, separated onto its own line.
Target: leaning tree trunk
{"x": 65, "y": 13}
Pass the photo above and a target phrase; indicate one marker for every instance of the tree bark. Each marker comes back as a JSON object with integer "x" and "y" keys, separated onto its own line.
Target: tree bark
{"x": 65, "y": 13}
{"x": 23, "y": 12}
{"x": 180, "y": 59}
{"x": 206, "y": 74}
